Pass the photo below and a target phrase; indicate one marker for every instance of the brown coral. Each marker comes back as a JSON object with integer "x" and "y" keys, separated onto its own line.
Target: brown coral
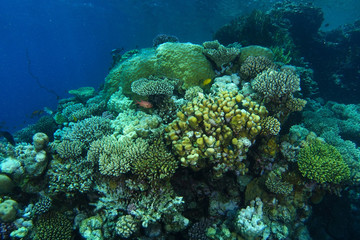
{"x": 274, "y": 84}
{"x": 253, "y": 65}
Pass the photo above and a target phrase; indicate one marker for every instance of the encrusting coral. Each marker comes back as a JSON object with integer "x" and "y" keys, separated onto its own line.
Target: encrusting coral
{"x": 219, "y": 128}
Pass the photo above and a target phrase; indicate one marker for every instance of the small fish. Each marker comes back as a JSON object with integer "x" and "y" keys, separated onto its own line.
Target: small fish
{"x": 48, "y": 111}
{"x": 8, "y": 137}
{"x": 206, "y": 81}
{"x": 144, "y": 104}
{"x": 36, "y": 113}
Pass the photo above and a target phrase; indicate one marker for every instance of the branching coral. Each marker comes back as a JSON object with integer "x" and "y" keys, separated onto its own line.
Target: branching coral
{"x": 254, "y": 65}
{"x": 220, "y": 54}
{"x": 147, "y": 87}
{"x": 322, "y": 163}
{"x": 70, "y": 177}
{"x": 155, "y": 163}
{"x": 67, "y": 149}
{"x": 113, "y": 155}
{"x": 219, "y": 128}
{"x": 88, "y": 130}
{"x": 273, "y": 84}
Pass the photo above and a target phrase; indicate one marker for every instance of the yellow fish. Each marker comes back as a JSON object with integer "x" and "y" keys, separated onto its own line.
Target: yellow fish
{"x": 206, "y": 81}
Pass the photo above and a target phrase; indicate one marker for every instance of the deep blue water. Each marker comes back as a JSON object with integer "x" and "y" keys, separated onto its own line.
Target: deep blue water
{"x": 67, "y": 44}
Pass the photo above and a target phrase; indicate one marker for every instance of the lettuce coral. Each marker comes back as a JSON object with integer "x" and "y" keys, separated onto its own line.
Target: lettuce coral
{"x": 322, "y": 163}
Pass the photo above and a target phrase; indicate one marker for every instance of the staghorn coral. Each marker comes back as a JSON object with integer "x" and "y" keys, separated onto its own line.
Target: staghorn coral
{"x": 220, "y": 54}
{"x": 253, "y": 65}
{"x": 88, "y": 130}
{"x": 322, "y": 163}
{"x": 125, "y": 226}
{"x": 53, "y": 226}
{"x": 69, "y": 149}
{"x": 273, "y": 84}
{"x": 147, "y": 87}
{"x": 113, "y": 155}
{"x": 155, "y": 163}
{"x": 217, "y": 128}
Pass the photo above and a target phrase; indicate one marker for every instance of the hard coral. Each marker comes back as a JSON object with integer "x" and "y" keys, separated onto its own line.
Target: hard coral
{"x": 219, "y": 128}
{"x": 274, "y": 84}
{"x": 220, "y": 54}
{"x": 322, "y": 163}
{"x": 155, "y": 163}
{"x": 147, "y": 87}
{"x": 254, "y": 65}
{"x": 53, "y": 226}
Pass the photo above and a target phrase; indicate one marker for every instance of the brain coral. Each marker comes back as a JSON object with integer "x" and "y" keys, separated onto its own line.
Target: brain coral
{"x": 323, "y": 163}
{"x": 184, "y": 61}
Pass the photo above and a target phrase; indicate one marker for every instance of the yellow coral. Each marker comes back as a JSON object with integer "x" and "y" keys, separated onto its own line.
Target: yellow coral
{"x": 216, "y": 130}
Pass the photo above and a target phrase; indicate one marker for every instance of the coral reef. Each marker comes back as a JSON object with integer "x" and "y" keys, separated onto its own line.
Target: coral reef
{"x": 253, "y": 65}
{"x": 184, "y": 61}
{"x": 220, "y": 54}
{"x": 147, "y": 87}
{"x": 322, "y": 163}
{"x": 53, "y": 226}
{"x": 209, "y": 125}
{"x": 273, "y": 84}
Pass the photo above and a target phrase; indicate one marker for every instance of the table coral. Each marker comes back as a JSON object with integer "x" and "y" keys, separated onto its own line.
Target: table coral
{"x": 219, "y": 128}
{"x": 323, "y": 163}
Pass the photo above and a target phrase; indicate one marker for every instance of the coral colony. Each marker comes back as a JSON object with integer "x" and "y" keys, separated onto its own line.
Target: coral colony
{"x": 211, "y": 152}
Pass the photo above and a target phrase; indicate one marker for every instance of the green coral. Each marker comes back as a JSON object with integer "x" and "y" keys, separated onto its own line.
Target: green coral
{"x": 323, "y": 163}
{"x": 151, "y": 86}
{"x": 155, "y": 163}
{"x": 184, "y": 61}
{"x": 53, "y": 226}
